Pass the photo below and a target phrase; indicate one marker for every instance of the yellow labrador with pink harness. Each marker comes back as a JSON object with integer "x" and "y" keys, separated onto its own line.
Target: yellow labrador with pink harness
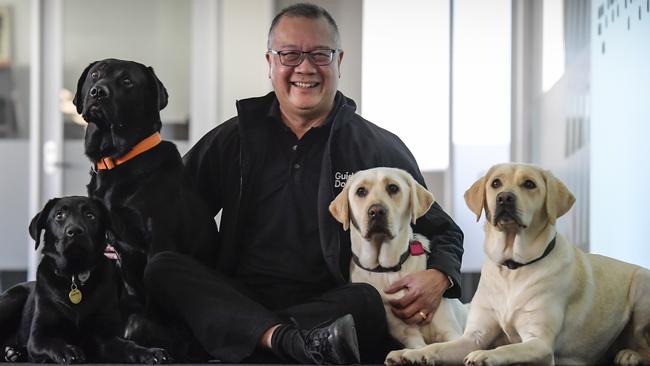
{"x": 541, "y": 300}
{"x": 380, "y": 204}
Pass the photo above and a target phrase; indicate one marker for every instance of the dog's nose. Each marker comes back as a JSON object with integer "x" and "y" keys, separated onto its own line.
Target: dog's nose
{"x": 377, "y": 211}
{"x": 506, "y": 198}
{"x": 74, "y": 230}
{"x": 99, "y": 92}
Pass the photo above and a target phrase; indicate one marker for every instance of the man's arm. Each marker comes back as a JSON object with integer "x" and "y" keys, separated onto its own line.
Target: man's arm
{"x": 446, "y": 245}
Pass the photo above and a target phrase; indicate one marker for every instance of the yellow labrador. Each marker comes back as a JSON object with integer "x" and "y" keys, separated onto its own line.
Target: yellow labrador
{"x": 541, "y": 298}
{"x": 380, "y": 204}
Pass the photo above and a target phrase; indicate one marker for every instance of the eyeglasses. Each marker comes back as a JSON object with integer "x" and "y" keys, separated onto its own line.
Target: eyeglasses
{"x": 294, "y": 57}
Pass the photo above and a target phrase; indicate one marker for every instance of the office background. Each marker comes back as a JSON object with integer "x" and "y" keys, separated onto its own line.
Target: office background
{"x": 465, "y": 83}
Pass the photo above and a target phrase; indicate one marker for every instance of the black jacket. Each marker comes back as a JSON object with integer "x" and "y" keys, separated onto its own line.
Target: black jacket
{"x": 222, "y": 165}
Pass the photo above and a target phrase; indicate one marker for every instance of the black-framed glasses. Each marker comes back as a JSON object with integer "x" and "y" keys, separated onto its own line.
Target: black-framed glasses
{"x": 322, "y": 57}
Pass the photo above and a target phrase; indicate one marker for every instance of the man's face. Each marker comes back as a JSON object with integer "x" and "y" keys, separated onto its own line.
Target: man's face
{"x": 306, "y": 90}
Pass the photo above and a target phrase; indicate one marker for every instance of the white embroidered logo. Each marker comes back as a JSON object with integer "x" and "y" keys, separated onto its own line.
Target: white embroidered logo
{"x": 341, "y": 178}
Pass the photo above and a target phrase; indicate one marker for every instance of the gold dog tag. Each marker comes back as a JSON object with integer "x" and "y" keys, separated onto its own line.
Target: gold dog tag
{"x": 75, "y": 295}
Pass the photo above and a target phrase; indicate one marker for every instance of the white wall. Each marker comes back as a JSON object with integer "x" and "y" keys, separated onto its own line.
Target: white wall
{"x": 243, "y": 72}
{"x": 620, "y": 130}
{"x": 153, "y": 32}
{"x": 481, "y": 107}
{"x": 412, "y": 57}
{"x": 14, "y": 189}
{"x": 21, "y": 32}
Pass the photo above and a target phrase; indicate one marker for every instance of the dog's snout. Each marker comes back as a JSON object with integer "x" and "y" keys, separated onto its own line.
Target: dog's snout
{"x": 506, "y": 198}
{"x": 99, "y": 92}
{"x": 377, "y": 211}
{"x": 74, "y": 230}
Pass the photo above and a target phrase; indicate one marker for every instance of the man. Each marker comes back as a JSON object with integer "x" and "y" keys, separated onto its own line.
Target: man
{"x": 283, "y": 263}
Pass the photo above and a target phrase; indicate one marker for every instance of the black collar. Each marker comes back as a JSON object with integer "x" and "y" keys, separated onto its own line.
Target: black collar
{"x": 396, "y": 268}
{"x": 514, "y": 265}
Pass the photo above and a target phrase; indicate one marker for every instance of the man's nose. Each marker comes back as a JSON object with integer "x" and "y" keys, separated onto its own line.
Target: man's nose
{"x": 306, "y": 65}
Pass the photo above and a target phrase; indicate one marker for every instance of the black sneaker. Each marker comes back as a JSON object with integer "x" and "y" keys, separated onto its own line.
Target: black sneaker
{"x": 333, "y": 344}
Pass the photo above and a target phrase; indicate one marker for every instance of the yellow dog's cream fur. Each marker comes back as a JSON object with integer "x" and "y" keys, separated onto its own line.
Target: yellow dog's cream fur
{"x": 403, "y": 207}
{"x": 567, "y": 308}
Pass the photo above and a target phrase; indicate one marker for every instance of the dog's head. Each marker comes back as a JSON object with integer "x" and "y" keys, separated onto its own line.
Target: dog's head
{"x": 380, "y": 203}
{"x": 73, "y": 232}
{"x": 121, "y": 101}
{"x": 517, "y": 196}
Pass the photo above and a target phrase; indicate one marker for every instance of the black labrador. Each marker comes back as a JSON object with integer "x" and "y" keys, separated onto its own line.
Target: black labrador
{"x": 140, "y": 179}
{"x": 71, "y": 313}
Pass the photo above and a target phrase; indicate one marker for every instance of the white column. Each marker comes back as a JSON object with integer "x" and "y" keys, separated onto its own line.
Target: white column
{"x": 46, "y": 120}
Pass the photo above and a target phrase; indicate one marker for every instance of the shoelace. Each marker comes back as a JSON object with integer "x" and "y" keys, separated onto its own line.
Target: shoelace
{"x": 315, "y": 341}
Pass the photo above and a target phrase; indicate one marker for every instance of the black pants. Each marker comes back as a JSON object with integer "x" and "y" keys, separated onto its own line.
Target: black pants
{"x": 229, "y": 325}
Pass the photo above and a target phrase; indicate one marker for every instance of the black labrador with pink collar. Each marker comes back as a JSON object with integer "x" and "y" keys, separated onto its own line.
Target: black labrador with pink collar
{"x": 140, "y": 180}
{"x": 71, "y": 313}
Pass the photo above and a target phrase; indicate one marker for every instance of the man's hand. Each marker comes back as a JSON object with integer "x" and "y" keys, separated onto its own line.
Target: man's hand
{"x": 424, "y": 291}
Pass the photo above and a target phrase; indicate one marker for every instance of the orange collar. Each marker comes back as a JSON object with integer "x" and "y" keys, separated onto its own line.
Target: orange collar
{"x": 142, "y": 146}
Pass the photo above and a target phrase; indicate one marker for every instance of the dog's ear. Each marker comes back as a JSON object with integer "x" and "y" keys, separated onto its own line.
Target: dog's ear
{"x": 162, "y": 95}
{"x": 79, "y": 97}
{"x": 475, "y": 197}
{"x": 39, "y": 221}
{"x": 421, "y": 199}
{"x": 558, "y": 197}
{"x": 340, "y": 209}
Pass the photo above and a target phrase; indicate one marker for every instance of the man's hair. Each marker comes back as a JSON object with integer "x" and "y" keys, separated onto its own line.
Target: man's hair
{"x": 305, "y": 10}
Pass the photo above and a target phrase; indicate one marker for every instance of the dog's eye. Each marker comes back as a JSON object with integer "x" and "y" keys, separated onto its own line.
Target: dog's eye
{"x": 90, "y": 215}
{"x": 127, "y": 82}
{"x": 59, "y": 215}
{"x": 496, "y": 183}
{"x": 392, "y": 188}
{"x": 94, "y": 75}
{"x": 529, "y": 184}
{"x": 362, "y": 191}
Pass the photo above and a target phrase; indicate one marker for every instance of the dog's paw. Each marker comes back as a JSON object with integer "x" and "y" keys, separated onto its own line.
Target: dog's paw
{"x": 481, "y": 358}
{"x": 409, "y": 357}
{"x": 14, "y": 354}
{"x": 152, "y": 356}
{"x": 627, "y": 357}
{"x": 68, "y": 354}
{"x": 394, "y": 358}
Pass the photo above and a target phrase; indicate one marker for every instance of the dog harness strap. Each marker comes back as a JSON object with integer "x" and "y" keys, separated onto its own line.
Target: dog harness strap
{"x": 514, "y": 265}
{"x": 396, "y": 268}
{"x": 150, "y": 142}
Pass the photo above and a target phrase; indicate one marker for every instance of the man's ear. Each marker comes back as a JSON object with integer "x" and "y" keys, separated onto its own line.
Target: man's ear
{"x": 39, "y": 222}
{"x": 475, "y": 197}
{"x": 559, "y": 199}
{"x": 340, "y": 59}
{"x": 340, "y": 208}
{"x": 78, "y": 100}
{"x": 421, "y": 199}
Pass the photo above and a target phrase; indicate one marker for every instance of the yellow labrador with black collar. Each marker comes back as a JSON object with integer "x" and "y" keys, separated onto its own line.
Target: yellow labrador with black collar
{"x": 380, "y": 204}
{"x": 540, "y": 298}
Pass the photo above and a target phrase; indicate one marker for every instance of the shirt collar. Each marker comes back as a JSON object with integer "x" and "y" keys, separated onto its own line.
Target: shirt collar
{"x": 274, "y": 110}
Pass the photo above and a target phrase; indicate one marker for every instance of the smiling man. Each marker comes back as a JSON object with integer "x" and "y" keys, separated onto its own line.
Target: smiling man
{"x": 281, "y": 291}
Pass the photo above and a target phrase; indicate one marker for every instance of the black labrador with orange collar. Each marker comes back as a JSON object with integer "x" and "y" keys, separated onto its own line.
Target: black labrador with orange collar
{"x": 70, "y": 314}
{"x": 140, "y": 179}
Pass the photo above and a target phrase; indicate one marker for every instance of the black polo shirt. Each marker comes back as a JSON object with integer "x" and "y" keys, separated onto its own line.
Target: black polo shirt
{"x": 281, "y": 259}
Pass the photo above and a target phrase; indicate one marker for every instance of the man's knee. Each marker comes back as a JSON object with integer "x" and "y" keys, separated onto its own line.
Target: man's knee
{"x": 367, "y": 304}
{"x": 158, "y": 269}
